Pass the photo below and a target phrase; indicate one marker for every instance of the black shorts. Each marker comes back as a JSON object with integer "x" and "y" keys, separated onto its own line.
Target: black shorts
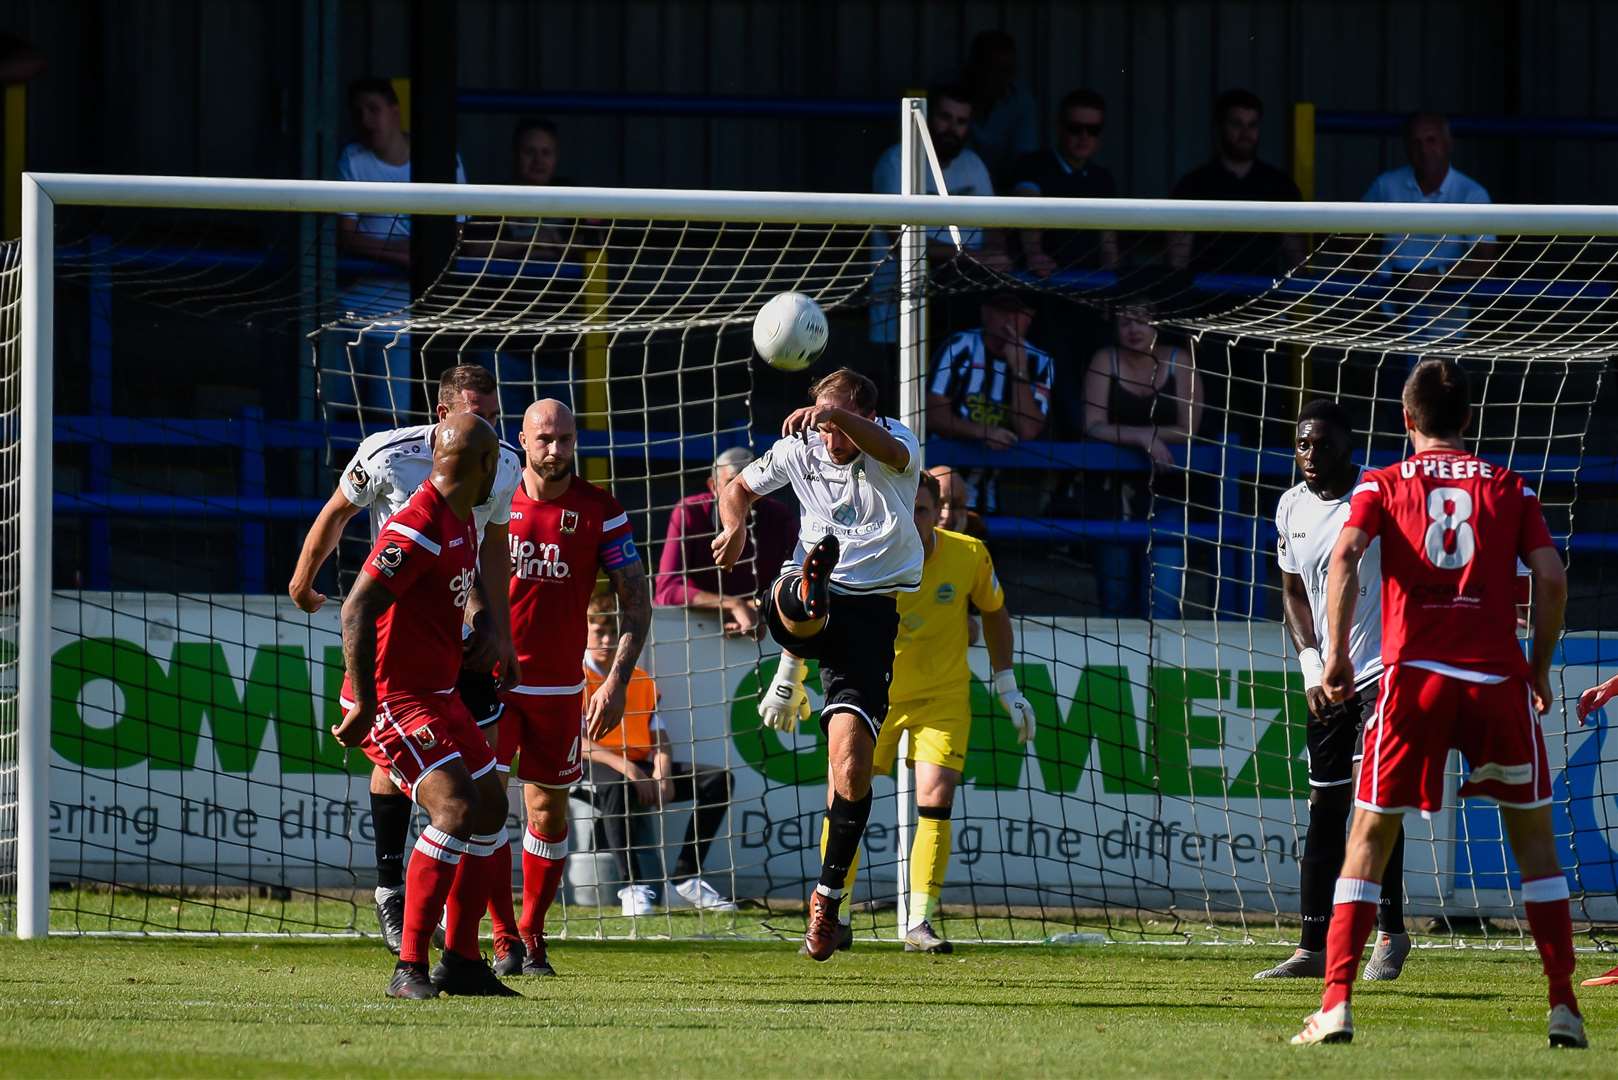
{"x": 855, "y": 651}
{"x": 1337, "y": 739}
{"x": 479, "y": 691}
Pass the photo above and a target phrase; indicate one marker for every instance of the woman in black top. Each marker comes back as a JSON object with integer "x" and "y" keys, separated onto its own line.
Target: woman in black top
{"x": 1143, "y": 394}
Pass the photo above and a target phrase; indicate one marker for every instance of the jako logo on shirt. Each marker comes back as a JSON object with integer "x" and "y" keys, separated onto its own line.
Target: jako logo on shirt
{"x": 461, "y": 586}
{"x": 531, "y": 561}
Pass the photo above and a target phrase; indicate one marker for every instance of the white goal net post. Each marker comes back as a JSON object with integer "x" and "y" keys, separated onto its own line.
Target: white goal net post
{"x": 1309, "y": 316}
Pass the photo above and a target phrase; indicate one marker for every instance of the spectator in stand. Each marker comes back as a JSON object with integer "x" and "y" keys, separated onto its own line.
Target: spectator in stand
{"x": 1005, "y": 118}
{"x": 381, "y": 375}
{"x": 953, "y": 513}
{"x": 633, "y": 768}
{"x": 991, "y": 385}
{"x": 686, "y": 574}
{"x": 1429, "y": 178}
{"x": 949, "y": 121}
{"x": 1145, "y": 394}
{"x": 531, "y": 367}
{"x": 1236, "y": 173}
{"x": 1068, "y": 170}
{"x": 1416, "y": 265}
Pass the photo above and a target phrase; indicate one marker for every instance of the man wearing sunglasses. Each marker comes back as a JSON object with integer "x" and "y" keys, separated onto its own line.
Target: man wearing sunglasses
{"x": 1068, "y": 170}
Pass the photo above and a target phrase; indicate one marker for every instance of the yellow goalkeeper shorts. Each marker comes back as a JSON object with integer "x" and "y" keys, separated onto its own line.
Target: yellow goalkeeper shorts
{"x": 939, "y": 728}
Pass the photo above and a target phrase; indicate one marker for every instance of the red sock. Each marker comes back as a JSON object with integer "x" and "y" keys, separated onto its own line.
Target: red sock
{"x": 427, "y": 884}
{"x": 468, "y": 896}
{"x": 543, "y": 858}
{"x": 1352, "y": 917}
{"x": 1551, "y": 923}
{"x": 502, "y": 912}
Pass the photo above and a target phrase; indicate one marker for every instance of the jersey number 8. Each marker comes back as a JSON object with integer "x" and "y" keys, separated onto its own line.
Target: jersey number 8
{"x": 1450, "y": 510}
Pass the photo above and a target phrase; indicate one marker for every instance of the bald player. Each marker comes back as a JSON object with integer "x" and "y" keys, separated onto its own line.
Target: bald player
{"x": 953, "y": 514}
{"x": 564, "y": 530}
{"x": 402, "y": 653}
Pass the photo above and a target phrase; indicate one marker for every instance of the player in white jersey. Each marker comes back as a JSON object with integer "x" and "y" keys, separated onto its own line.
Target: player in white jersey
{"x": 384, "y": 473}
{"x": 855, "y": 477}
{"x": 1308, "y": 521}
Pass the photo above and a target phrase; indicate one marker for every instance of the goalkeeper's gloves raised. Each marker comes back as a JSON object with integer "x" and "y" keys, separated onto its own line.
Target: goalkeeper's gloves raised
{"x": 784, "y": 704}
{"x": 1017, "y": 706}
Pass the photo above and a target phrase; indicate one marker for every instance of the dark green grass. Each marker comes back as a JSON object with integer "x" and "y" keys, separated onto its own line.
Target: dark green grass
{"x": 732, "y": 1009}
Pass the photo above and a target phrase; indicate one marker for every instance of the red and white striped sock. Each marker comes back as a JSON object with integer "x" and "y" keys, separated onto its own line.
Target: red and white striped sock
{"x": 469, "y": 895}
{"x": 1353, "y": 914}
{"x": 427, "y": 883}
{"x": 543, "y": 859}
{"x": 502, "y": 909}
{"x": 1551, "y": 922}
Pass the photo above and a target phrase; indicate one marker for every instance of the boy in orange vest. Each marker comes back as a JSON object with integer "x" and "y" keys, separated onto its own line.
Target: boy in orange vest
{"x": 633, "y": 767}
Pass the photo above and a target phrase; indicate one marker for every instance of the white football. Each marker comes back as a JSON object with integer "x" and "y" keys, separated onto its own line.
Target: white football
{"x": 790, "y": 331}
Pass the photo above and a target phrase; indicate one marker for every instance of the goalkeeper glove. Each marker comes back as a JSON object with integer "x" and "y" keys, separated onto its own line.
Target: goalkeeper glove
{"x": 1017, "y": 706}
{"x": 784, "y": 703}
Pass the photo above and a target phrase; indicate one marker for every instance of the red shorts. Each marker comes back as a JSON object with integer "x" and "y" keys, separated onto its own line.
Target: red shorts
{"x": 1421, "y": 715}
{"x": 415, "y": 734}
{"x": 543, "y": 732}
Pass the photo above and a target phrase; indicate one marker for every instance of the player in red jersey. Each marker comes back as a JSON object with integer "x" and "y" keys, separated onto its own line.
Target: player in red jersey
{"x": 564, "y": 530}
{"x": 402, "y": 649}
{"x": 1591, "y": 700}
{"x": 1453, "y": 528}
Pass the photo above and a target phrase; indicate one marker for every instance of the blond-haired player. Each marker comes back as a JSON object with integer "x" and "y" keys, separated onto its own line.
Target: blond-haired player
{"x": 931, "y": 697}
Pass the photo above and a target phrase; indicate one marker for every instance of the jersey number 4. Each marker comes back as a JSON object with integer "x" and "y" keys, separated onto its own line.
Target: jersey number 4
{"x": 1451, "y": 542}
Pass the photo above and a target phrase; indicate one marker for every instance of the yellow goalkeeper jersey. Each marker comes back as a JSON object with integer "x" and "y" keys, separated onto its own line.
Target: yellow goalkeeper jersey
{"x": 930, "y": 651}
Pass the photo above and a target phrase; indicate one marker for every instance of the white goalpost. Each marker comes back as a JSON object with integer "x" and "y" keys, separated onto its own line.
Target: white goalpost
{"x": 1158, "y": 730}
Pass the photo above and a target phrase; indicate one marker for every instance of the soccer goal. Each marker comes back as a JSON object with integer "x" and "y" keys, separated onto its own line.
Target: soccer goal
{"x": 164, "y": 761}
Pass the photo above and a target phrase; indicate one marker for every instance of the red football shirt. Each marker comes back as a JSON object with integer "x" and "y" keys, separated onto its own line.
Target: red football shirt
{"x": 1453, "y": 527}
{"x": 557, "y": 546}
{"x": 427, "y": 558}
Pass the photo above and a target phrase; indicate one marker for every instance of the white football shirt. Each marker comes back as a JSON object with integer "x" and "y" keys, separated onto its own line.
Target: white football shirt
{"x": 869, "y": 507}
{"x": 1308, "y": 527}
{"x": 390, "y": 465}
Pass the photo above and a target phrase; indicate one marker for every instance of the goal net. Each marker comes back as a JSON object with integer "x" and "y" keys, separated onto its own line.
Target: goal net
{"x": 212, "y": 378}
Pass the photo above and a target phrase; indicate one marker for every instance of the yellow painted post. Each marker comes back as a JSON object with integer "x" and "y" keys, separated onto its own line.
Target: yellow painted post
{"x": 401, "y": 90}
{"x": 1303, "y": 174}
{"x": 1303, "y": 148}
{"x": 597, "y": 467}
{"x": 12, "y": 154}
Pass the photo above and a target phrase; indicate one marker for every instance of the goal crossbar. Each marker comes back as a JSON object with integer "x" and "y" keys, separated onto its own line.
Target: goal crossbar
{"x": 812, "y": 208}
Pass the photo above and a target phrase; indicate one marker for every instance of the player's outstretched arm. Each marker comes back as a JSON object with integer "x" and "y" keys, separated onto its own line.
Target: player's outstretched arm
{"x": 493, "y": 592}
{"x": 1596, "y": 697}
{"x": 734, "y": 502}
{"x": 997, "y": 638}
{"x": 1550, "y": 604}
{"x": 605, "y": 709}
{"x": 365, "y": 604}
{"x": 871, "y": 437}
{"x": 1342, "y": 590}
{"x": 317, "y": 548}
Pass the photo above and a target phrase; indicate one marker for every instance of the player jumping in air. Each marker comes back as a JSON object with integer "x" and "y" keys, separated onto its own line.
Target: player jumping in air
{"x": 402, "y": 650}
{"x": 564, "y": 530}
{"x": 1308, "y": 520}
{"x": 855, "y": 478}
{"x": 384, "y": 473}
{"x": 931, "y": 700}
{"x": 1453, "y": 527}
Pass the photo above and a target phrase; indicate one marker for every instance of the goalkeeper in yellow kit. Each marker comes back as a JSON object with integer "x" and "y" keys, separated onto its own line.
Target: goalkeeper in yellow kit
{"x": 931, "y": 699}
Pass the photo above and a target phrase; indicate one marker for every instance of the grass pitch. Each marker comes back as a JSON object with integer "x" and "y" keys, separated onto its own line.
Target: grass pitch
{"x": 97, "y": 1007}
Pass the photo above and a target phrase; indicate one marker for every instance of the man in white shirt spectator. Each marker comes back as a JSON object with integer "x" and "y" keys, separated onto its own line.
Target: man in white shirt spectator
{"x": 1420, "y": 262}
{"x": 1429, "y": 178}
{"x": 949, "y": 122}
{"x": 379, "y": 365}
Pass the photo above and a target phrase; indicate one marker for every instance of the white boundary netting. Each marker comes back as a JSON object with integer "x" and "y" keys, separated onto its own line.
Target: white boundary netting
{"x": 649, "y": 342}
